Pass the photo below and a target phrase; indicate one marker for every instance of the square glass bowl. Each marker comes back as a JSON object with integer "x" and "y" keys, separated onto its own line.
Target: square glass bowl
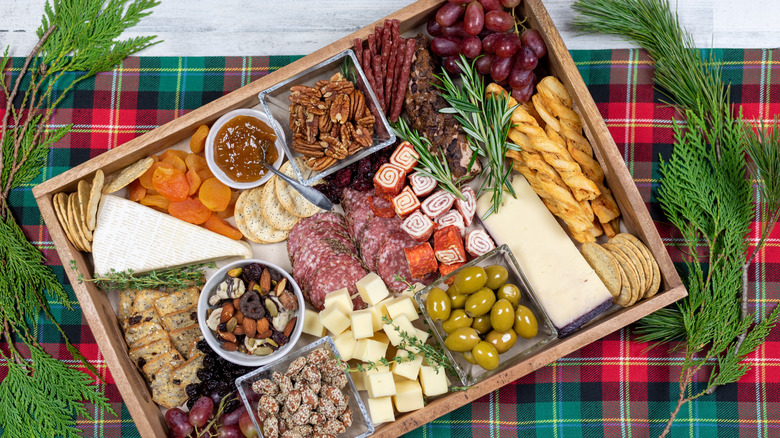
{"x": 469, "y": 373}
{"x": 361, "y": 421}
{"x": 276, "y": 104}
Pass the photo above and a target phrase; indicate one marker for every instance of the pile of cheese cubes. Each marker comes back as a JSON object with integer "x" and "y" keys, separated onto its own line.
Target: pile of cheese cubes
{"x": 362, "y": 335}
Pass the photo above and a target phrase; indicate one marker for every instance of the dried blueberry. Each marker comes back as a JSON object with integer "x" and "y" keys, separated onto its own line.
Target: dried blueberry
{"x": 252, "y": 272}
{"x": 203, "y": 346}
{"x": 192, "y": 390}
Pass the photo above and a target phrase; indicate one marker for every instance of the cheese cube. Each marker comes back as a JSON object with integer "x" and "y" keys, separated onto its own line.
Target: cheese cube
{"x": 401, "y": 306}
{"x": 408, "y": 369}
{"x": 403, "y": 323}
{"x": 381, "y": 410}
{"x": 341, "y": 299}
{"x": 377, "y": 312}
{"x": 433, "y": 383}
{"x": 371, "y": 288}
{"x": 410, "y": 293}
{"x": 381, "y": 337}
{"x": 312, "y": 324}
{"x": 369, "y": 350}
{"x": 334, "y": 320}
{"x": 362, "y": 376}
{"x": 362, "y": 327}
{"x": 357, "y": 379}
{"x": 408, "y": 396}
{"x": 380, "y": 384}
{"x": 345, "y": 344}
{"x": 422, "y": 335}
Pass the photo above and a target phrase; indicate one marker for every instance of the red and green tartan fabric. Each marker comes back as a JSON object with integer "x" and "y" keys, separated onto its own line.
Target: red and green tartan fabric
{"x": 611, "y": 388}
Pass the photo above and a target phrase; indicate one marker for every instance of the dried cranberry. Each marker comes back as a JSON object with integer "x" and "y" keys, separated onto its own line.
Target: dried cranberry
{"x": 342, "y": 178}
{"x": 362, "y": 185}
{"x": 252, "y": 272}
{"x": 280, "y": 338}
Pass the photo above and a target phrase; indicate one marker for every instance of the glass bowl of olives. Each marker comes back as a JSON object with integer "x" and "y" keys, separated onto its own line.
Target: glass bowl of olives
{"x": 486, "y": 316}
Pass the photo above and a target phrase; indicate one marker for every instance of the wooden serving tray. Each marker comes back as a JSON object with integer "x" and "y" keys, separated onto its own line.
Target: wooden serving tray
{"x": 103, "y": 320}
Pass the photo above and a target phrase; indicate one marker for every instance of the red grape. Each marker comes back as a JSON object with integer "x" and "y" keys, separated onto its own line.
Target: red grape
{"x": 474, "y": 19}
{"x": 483, "y": 63}
{"x": 445, "y": 46}
{"x": 510, "y": 3}
{"x": 471, "y": 47}
{"x": 434, "y": 28}
{"x": 177, "y": 421}
{"x": 526, "y": 58}
{"x": 524, "y": 94}
{"x": 246, "y": 425}
{"x": 501, "y": 68}
{"x": 231, "y": 418}
{"x": 460, "y": 2}
{"x": 492, "y": 5}
{"x": 229, "y": 432}
{"x": 449, "y": 13}
{"x": 507, "y": 45}
{"x": 531, "y": 38}
{"x": 451, "y": 64}
{"x": 489, "y": 43}
{"x": 519, "y": 78}
{"x": 498, "y": 21}
{"x": 201, "y": 411}
{"x": 456, "y": 30}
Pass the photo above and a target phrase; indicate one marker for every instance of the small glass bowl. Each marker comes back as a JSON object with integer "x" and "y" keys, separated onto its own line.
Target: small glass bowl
{"x": 361, "y": 421}
{"x": 469, "y": 373}
{"x": 276, "y": 104}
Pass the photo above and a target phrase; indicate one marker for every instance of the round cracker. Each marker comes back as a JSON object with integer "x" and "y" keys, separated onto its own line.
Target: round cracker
{"x": 128, "y": 174}
{"x": 655, "y": 284}
{"x": 630, "y": 270}
{"x": 75, "y": 223}
{"x": 272, "y": 210}
{"x": 84, "y": 189}
{"x": 62, "y": 216}
{"x": 625, "y": 289}
{"x": 604, "y": 264}
{"x": 639, "y": 261}
{"x": 94, "y": 199}
{"x": 291, "y": 199}
{"x": 255, "y": 220}
{"x": 238, "y": 215}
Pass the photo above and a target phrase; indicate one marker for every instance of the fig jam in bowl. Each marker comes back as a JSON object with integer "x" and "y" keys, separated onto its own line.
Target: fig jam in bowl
{"x": 237, "y": 145}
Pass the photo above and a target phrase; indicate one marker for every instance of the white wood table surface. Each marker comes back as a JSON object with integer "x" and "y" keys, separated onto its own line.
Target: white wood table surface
{"x": 298, "y": 27}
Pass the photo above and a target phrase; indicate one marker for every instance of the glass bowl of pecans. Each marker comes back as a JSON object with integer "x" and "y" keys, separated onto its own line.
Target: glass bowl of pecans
{"x": 329, "y": 115}
{"x": 251, "y": 312}
{"x": 307, "y": 392}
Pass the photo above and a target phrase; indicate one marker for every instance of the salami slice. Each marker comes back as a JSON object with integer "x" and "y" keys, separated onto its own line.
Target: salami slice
{"x": 391, "y": 260}
{"x": 314, "y": 222}
{"x": 323, "y": 230}
{"x": 341, "y": 271}
{"x": 376, "y": 233}
{"x": 358, "y": 211}
{"x": 317, "y": 252}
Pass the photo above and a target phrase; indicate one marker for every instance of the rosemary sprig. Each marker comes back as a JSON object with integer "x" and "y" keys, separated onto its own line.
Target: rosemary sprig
{"x": 486, "y": 122}
{"x": 432, "y": 166}
{"x": 174, "y": 279}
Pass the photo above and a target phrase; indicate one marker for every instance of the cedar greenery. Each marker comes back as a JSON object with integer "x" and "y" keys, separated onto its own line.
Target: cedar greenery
{"x": 42, "y": 395}
{"x": 704, "y": 193}
{"x": 173, "y": 279}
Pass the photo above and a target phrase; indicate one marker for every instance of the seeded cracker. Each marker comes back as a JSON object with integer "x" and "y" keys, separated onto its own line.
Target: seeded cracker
{"x": 255, "y": 221}
{"x": 604, "y": 264}
{"x": 183, "y": 337}
{"x": 272, "y": 209}
{"x": 291, "y": 199}
{"x": 176, "y": 301}
{"x": 75, "y": 222}
{"x": 139, "y": 334}
{"x": 240, "y": 218}
{"x": 62, "y": 216}
{"x": 639, "y": 261}
{"x": 164, "y": 392}
{"x": 94, "y": 199}
{"x": 153, "y": 366}
{"x": 128, "y": 174}
{"x": 656, "y": 282}
{"x": 631, "y": 273}
{"x": 146, "y": 352}
{"x": 180, "y": 319}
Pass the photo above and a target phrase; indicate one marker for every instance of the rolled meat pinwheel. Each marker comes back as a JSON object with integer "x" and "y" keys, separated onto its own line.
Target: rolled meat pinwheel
{"x": 467, "y": 207}
{"x": 422, "y": 185}
{"x": 405, "y": 156}
{"x": 478, "y": 243}
{"x": 453, "y": 217}
{"x": 438, "y": 204}
{"x": 406, "y": 203}
{"x": 419, "y": 226}
{"x": 448, "y": 245}
{"x": 389, "y": 180}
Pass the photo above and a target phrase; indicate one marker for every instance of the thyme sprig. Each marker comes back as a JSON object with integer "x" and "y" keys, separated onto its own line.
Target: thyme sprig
{"x": 486, "y": 122}
{"x": 173, "y": 279}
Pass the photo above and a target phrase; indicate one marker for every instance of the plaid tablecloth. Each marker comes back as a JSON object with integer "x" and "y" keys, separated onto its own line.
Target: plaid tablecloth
{"x": 612, "y": 387}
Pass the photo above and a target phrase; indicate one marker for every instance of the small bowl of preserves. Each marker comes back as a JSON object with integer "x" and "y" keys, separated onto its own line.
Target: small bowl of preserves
{"x": 487, "y": 317}
{"x": 251, "y": 312}
{"x": 239, "y": 143}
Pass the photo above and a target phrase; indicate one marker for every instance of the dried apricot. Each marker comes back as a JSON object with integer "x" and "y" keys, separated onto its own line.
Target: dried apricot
{"x": 194, "y": 179}
{"x": 157, "y": 202}
{"x": 230, "y": 210}
{"x": 220, "y": 226}
{"x": 196, "y": 162}
{"x": 214, "y": 194}
{"x": 146, "y": 178}
{"x": 171, "y": 183}
{"x": 173, "y": 153}
{"x": 176, "y": 162}
{"x": 205, "y": 174}
{"x": 198, "y": 139}
{"x": 189, "y": 210}
{"x": 136, "y": 190}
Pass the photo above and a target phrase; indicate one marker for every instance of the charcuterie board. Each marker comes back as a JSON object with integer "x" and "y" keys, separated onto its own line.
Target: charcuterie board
{"x": 102, "y": 316}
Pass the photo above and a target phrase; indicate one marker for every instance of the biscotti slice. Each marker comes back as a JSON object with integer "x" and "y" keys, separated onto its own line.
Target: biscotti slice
{"x": 185, "y": 374}
{"x": 139, "y": 334}
{"x": 176, "y": 301}
{"x": 180, "y": 319}
{"x": 183, "y": 337}
{"x": 146, "y": 352}
{"x": 164, "y": 392}
{"x": 153, "y": 366}
{"x": 193, "y": 350}
{"x": 126, "y": 298}
{"x": 143, "y": 307}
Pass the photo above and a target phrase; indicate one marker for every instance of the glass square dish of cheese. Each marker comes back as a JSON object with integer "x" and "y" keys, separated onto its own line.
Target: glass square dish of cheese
{"x": 259, "y": 391}
{"x": 512, "y": 347}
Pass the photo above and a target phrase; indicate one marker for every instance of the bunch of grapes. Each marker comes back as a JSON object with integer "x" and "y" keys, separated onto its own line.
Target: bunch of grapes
{"x": 482, "y": 27}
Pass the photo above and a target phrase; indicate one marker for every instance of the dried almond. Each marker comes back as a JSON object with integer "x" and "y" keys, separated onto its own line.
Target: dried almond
{"x": 280, "y": 287}
{"x": 239, "y": 317}
{"x": 265, "y": 282}
{"x": 229, "y": 337}
{"x": 262, "y": 326}
{"x": 250, "y": 327}
{"x": 264, "y": 335}
{"x": 289, "y": 327}
{"x": 230, "y": 346}
{"x": 239, "y": 330}
{"x": 236, "y": 301}
{"x": 227, "y": 312}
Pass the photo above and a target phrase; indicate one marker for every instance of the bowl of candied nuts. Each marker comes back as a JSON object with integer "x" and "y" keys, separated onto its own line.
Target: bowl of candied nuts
{"x": 251, "y": 312}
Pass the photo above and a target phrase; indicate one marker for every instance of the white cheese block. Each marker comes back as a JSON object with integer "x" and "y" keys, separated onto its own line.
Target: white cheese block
{"x": 345, "y": 344}
{"x": 433, "y": 382}
{"x": 341, "y": 299}
{"x": 403, "y": 324}
{"x": 371, "y": 288}
{"x": 402, "y": 305}
{"x": 380, "y": 384}
{"x": 369, "y": 350}
{"x": 312, "y": 324}
{"x": 362, "y": 327}
{"x": 129, "y": 235}
{"x": 408, "y": 369}
{"x": 357, "y": 379}
{"x": 408, "y": 396}
{"x": 565, "y": 284}
{"x": 381, "y": 337}
{"x": 381, "y": 410}
{"x": 377, "y": 312}
{"x": 333, "y": 320}
{"x": 410, "y": 293}
{"x": 422, "y": 335}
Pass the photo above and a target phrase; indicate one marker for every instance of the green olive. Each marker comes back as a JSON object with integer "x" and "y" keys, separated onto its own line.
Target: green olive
{"x": 502, "y": 315}
{"x": 470, "y": 280}
{"x": 457, "y": 299}
{"x": 482, "y": 324}
{"x": 469, "y": 357}
{"x": 509, "y": 292}
{"x": 525, "y": 322}
{"x": 457, "y": 319}
{"x": 503, "y": 341}
{"x": 438, "y": 304}
{"x": 486, "y": 355}
{"x": 496, "y": 276}
{"x": 480, "y": 303}
{"x": 462, "y": 339}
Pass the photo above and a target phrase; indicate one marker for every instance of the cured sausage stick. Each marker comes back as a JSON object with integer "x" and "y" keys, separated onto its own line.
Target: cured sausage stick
{"x": 398, "y": 99}
{"x": 376, "y": 65}
{"x": 367, "y": 70}
{"x": 359, "y": 51}
{"x": 391, "y": 66}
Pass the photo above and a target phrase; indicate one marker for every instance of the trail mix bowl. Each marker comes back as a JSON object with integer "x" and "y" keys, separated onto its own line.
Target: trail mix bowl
{"x": 251, "y": 312}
